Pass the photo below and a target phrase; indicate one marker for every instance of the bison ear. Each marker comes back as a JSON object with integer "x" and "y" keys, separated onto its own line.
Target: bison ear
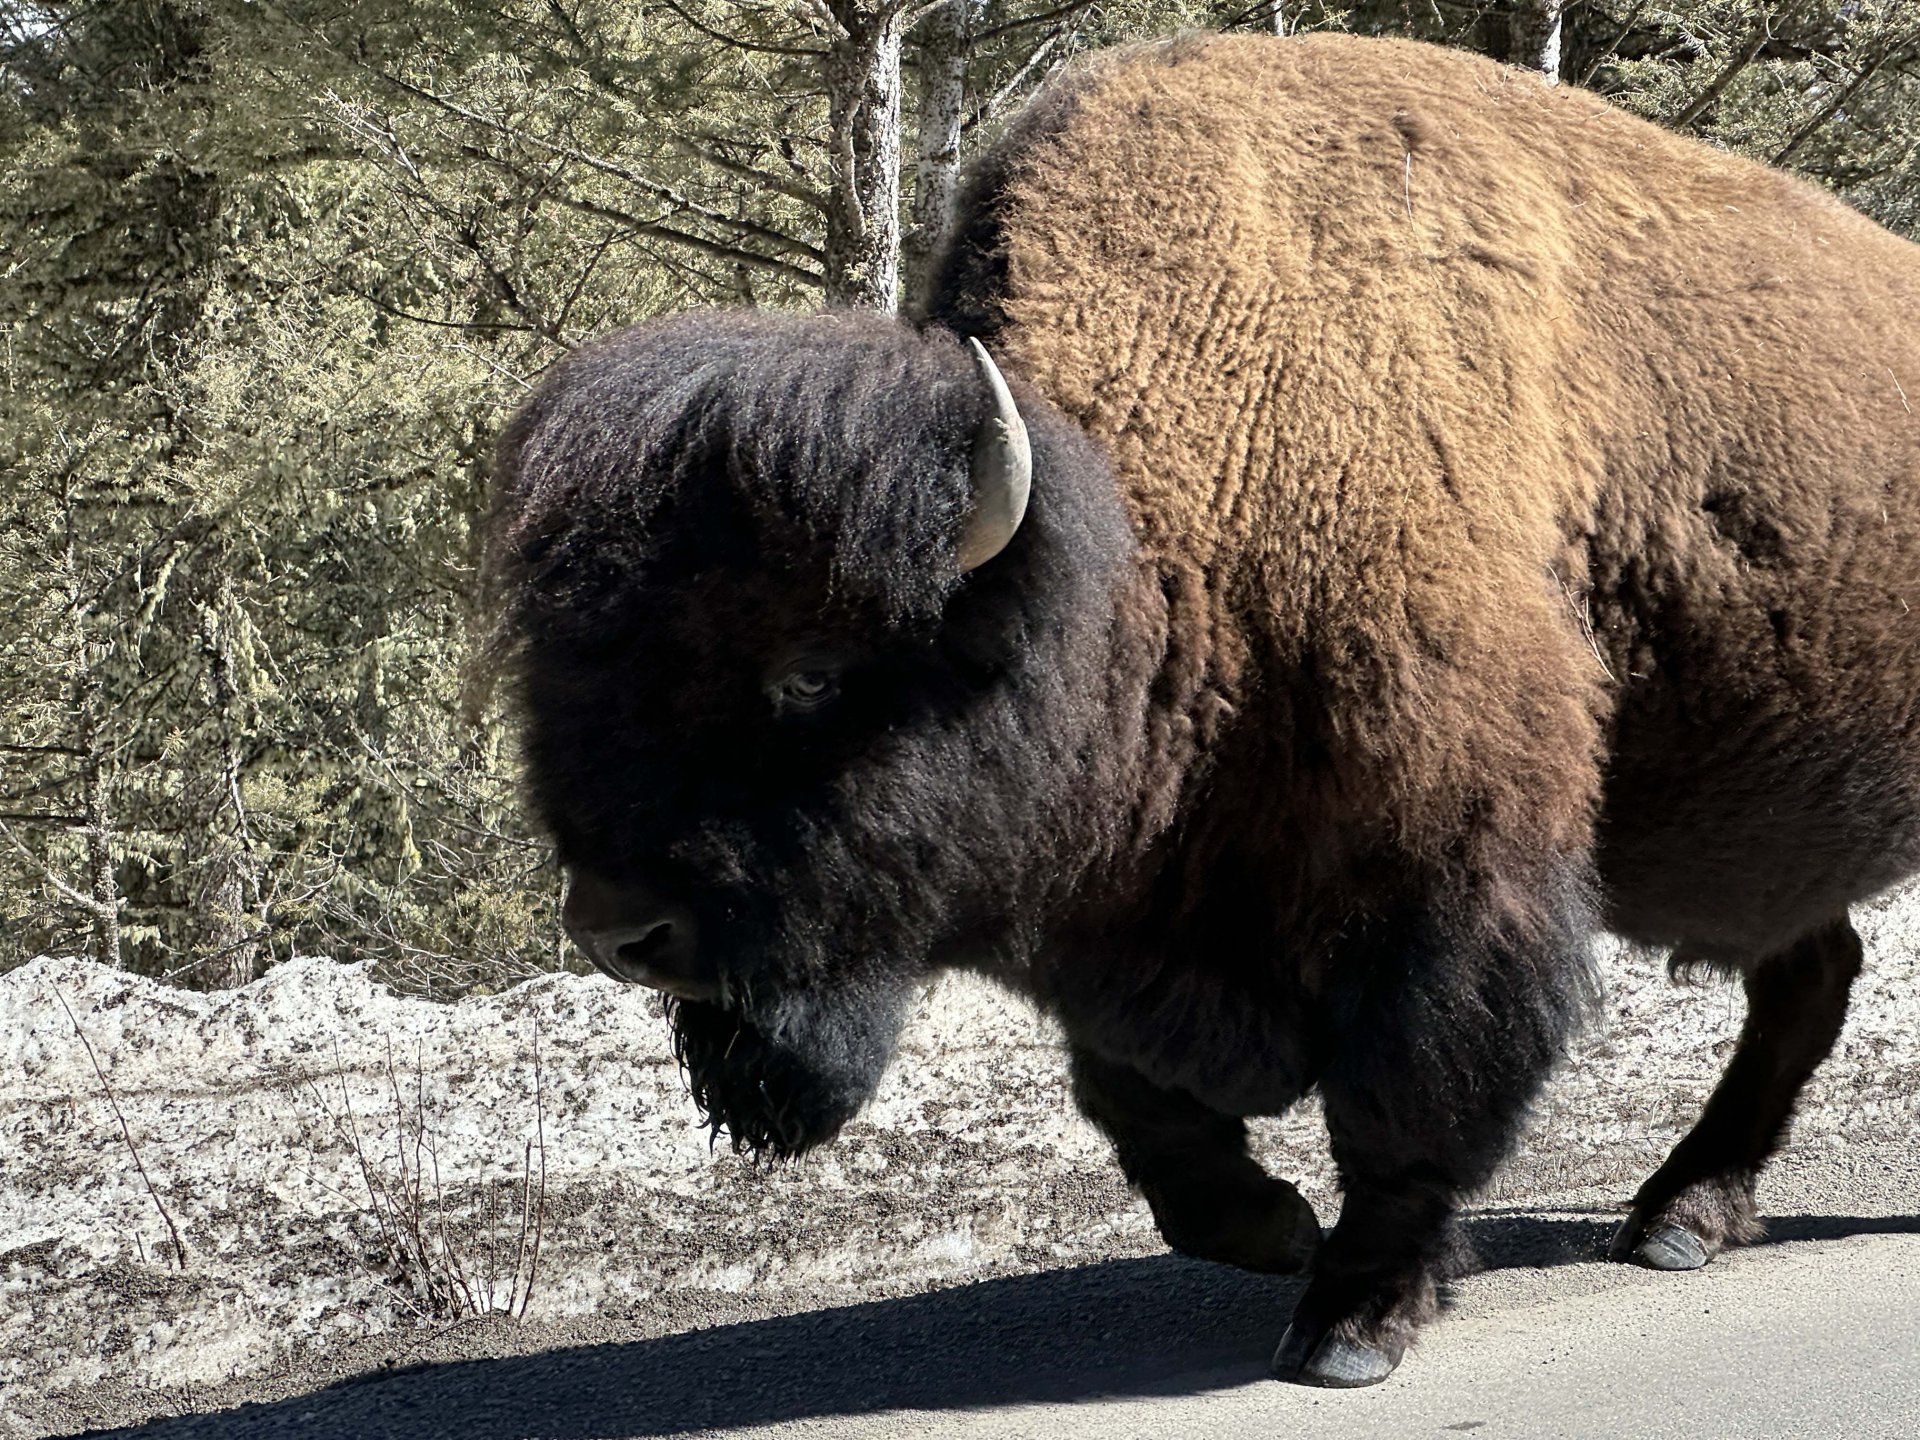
{"x": 1002, "y": 471}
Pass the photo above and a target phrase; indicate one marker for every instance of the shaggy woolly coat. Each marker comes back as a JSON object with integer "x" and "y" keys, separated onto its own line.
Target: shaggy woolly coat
{"x": 1571, "y": 468}
{"x": 1453, "y": 501}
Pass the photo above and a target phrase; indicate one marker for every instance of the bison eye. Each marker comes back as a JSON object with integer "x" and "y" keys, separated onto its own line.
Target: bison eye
{"x": 804, "y": 691}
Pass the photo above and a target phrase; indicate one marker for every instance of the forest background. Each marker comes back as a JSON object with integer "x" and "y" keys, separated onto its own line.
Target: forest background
{"x": 273, "y": 271}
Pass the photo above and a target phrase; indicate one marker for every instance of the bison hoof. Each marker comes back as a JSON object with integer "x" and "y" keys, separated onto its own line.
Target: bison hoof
{"x": 1662, "y": 1245}
{"x": 1689, "y": 1227}
{"x": 1309, "y": 1356}
{"x": 1665, "y": 1247}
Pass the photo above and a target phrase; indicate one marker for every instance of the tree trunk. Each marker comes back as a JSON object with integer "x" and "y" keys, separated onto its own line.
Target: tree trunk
{"x": 863, "y": 116}
{"x": 228, "y": 939}
{"x": 943, "y": 89}
{"x": 104, "y": 941}
{"x": 230, "y": 944}
{"x": 103, "y": 889}
{"x": 1535, "y": 30}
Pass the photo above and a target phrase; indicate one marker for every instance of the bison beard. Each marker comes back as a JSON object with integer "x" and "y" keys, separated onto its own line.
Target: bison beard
{"x": 781, "y": 1079}
{"x": 1461, "y": 516}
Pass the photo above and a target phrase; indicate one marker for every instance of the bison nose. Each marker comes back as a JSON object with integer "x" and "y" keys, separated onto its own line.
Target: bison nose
{"x": 638, "y": 937}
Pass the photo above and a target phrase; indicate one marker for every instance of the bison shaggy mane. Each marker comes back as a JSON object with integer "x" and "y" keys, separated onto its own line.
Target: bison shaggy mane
{"x": 1463, "y": 516}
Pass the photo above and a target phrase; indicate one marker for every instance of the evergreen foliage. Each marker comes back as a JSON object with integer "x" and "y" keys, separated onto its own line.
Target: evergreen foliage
{"x": 274, "y": 271}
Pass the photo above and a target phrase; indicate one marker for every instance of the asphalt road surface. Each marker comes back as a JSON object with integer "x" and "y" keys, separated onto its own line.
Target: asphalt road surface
{"x": 1815, "y": 1333}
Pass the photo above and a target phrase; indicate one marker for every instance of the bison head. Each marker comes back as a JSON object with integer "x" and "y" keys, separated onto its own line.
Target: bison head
{"x": 813, "y": 708}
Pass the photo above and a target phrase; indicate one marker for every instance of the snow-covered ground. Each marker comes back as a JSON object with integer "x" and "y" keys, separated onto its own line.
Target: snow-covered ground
{"x": 303, "y": 1132}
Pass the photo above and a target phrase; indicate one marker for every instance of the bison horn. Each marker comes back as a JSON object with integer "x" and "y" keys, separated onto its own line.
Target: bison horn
{"x": 1002, "y": 472}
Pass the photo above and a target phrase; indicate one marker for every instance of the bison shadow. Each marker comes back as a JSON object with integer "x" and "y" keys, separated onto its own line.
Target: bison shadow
{"x": 1156, "y": 1326}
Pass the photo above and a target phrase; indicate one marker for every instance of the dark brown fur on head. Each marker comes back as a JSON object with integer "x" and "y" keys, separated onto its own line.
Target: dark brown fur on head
{"x": 686, "y": 508}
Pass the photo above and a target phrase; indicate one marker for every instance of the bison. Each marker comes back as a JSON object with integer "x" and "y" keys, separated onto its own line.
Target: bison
{"x": 1352, "y": 523}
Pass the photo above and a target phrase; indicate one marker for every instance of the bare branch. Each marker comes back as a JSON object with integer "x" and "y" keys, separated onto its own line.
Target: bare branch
{"x": 510, "y": 327}
{"x": 718, "y": 248}
{"x": 510, "y": 292}
{"x": 179, "y": 1245}
{"x": 1834, "y": 106}
{"x": 266, "y": 933}
{"x": 67, "y": 892}
{"x": 568, "y": 24}
{"x": 734, "y": 41}
{"x": 1007, "y": 27}
{"x": 1762, "y": 32}
{"x": 1612, "y": 47}
{"x": 658, "y": 189}
{"x": 793, "y": 189}
{"x": 986, "y": 109}
{"x": 540, "y": 1208}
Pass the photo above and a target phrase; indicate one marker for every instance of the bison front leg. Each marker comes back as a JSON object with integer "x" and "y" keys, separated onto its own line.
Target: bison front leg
{"x": 1441, "y": 1039}
{"x": 1209, "y": 1197}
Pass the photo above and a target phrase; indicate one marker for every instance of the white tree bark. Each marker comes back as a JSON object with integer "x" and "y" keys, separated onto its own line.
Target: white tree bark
{"x": 943, "y": 48}
{"x": 863, "y": 116}
{"x": 1535, "y": 31}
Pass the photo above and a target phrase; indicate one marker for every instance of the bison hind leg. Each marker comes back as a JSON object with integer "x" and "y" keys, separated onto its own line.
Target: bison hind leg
{"x": 1702, "y": 1198}
{"x": 1210, "y": 1198}
{"x": 1248, "y": 1220}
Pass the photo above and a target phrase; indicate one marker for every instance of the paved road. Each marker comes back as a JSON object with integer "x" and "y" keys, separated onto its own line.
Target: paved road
{"x": 1816, "y": 1334}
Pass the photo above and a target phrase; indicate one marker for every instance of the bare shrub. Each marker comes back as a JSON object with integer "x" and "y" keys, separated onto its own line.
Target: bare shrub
{"x": 447, "y": 1262}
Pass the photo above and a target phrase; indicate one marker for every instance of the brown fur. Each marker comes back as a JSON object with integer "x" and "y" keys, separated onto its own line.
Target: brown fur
{"x": 1534, "y": 484}
{"x": 1536, "y": 433}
